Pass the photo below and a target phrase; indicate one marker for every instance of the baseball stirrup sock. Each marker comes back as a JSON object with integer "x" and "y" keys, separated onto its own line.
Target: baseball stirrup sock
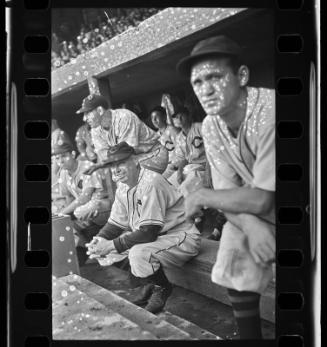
{"x": 247, "y": 313}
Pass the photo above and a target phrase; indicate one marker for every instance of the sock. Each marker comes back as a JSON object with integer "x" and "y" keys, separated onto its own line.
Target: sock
{"x": 247, "y": 313}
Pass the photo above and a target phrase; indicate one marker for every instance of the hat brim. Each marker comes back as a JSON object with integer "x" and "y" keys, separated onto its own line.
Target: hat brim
{"x": 114, "y": 159}
{"x": 83, "y": 110}
{"x": 185, "y": 65}
{"x": 61, "y": 150}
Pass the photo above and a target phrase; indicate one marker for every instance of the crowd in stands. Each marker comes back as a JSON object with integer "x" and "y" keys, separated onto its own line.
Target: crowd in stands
{"x": 93, "y": 35}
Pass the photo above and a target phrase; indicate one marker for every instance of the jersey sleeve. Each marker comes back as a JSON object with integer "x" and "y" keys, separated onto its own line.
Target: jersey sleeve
{"x": 153, "y": 208}
{"x": 180, "y": 149}
{"x": 223, "y": 176}
{"x": 119, "y": 213}
{"x": 265, "y": 163}
{"x": 101, "y": 146}
{"x": 129, "y": 128}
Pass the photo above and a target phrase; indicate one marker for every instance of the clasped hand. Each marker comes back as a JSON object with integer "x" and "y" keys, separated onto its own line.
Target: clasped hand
{"x": 99, "y": 247}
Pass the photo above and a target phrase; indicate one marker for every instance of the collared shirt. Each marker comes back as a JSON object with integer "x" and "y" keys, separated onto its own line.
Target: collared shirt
{"x": 77, "y": 183}
{"x": 125, "y": 126}
{"x": 153, "y": 201}
{"x": 190, "y": 146}
{"x": 248, "y": 159}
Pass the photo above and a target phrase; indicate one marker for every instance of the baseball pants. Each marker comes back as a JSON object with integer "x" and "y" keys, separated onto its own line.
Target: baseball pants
{"x": 173, "y": 249}
{"x": 235, "y": 267}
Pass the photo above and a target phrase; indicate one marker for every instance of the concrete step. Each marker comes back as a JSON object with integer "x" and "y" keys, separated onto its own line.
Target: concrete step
{"x": 192, "y": 329}
{"x": 196, "y": 276}
{"x": 146, "y": 321}
{"x": 76, "y": 316}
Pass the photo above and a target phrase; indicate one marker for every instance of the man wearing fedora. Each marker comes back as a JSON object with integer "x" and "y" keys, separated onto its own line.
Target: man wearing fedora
{"x": 87, "y": 198}
{"x": 110, "y": 127}
{"x": 148, "y": 220}
{"x": 239, "y": 139}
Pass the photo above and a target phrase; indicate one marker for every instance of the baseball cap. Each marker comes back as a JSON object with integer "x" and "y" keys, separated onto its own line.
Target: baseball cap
{"x": 214, "y": 45}
{"x": 117, "y": 153}
{"x": 62, "y": 145}
{"x": 91, "y": 102}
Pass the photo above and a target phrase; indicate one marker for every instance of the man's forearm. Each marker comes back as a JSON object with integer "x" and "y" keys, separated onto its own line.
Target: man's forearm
{"x": 239, "y": 200}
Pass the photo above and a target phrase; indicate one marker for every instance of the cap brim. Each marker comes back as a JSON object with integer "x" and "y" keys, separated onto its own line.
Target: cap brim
{"x": 115, "y": 159}
{"x": 83, "y": 110}
{"x": 185, "y": 65}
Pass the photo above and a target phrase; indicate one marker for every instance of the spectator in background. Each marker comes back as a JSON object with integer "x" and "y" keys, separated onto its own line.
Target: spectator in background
{"x": 91, "y": 37}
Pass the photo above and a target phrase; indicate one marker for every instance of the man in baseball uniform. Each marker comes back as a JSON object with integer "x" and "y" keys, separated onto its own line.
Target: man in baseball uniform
{"x": 57, "y": 135}
{"x": 189, "y": 160}
{"x": 239, "y": 138}
{"x": 167, "y": 133}
{"x": 110, "y": 127}
{"x": 87, "y": 199}
{"x": 148, "y": 220}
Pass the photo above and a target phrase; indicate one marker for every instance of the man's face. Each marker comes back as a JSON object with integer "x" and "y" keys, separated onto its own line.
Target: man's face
{"x": 180, "y": 120}
{"x": 93, "y": 118}
{"x": 157, "y": 121}
{"x": 216, "y": 85}
{"x": 124, "y": 171}
{"x": 65, "y": 160}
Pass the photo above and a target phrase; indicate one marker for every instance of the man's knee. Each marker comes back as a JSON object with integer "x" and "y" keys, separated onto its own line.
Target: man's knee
{"x": 136, "y": 253}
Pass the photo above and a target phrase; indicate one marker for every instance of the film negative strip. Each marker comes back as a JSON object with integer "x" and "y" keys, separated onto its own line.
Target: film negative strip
{"x": 49, "y": 75}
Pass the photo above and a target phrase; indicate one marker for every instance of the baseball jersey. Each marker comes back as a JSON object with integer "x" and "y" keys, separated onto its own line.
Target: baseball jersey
{"x": 153, "y": 201}
{"x": 77, "y": 183}
{"x": 125, "y": 126}
{"x": 248, "y": 159}
{"x": 190, "y": 146}
{"x": 168, "y": 140}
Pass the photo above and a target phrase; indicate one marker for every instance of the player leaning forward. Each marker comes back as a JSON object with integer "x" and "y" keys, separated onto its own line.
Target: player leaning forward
{"x": 110, "y": 127}
{"x": 239, "y": 138}
{"x": 148, "y": 219}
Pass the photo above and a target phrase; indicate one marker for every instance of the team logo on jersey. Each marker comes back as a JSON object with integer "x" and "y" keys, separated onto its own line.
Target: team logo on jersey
{"x": 169, "y": 146}
{"x": 197, "y": 142}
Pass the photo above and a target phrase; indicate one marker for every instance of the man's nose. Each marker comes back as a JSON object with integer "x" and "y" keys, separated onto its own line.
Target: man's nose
{"x": 207, "y": 88}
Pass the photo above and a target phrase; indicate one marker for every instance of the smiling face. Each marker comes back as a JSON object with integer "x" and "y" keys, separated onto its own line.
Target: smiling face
{"x": 217, "y": 85}
{"x": 125, "y": 171}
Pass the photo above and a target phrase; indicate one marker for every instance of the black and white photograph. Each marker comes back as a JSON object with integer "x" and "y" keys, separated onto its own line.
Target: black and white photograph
{"x": 163, "y": 173}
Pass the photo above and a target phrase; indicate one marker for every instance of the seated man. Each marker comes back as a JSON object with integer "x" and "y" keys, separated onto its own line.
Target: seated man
{"x": 58, "y": 201}
{"x": 239, "y": 136}
{"x": 110, "y": 127}
{"x": 84, "y": 143}
{"x": 86, "y": 196}
{"x": 148, "y": 219}
{"x": 167, "y": 133}
{"x": 190, "y": 158}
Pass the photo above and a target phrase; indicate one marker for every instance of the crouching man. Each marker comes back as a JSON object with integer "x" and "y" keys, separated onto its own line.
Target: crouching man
{"x": 148, "y": 219}
{"x": 87, "y": 199}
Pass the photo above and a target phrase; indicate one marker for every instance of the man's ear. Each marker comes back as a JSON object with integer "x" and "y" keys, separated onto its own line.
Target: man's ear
{"x": 243, "y": 75}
